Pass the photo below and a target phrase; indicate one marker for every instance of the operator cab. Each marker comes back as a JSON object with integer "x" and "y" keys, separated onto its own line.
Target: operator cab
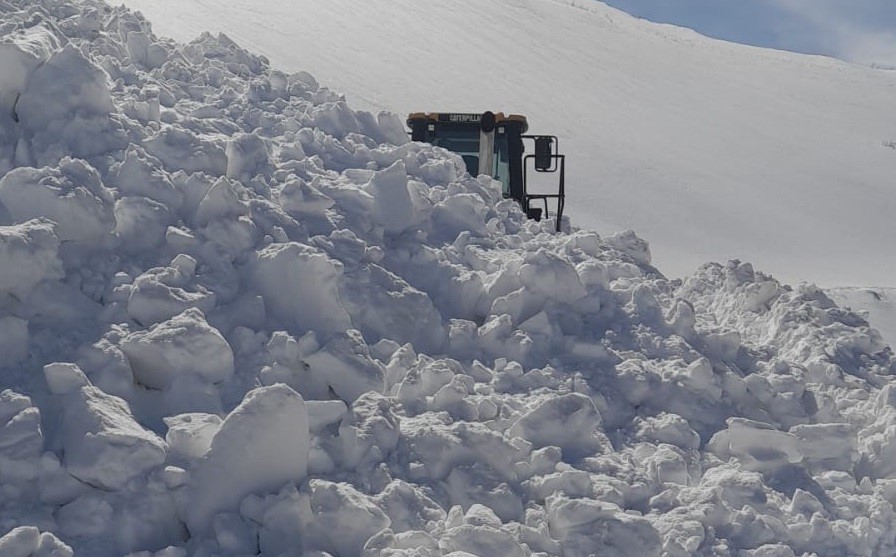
{"x": 493, "y": 144}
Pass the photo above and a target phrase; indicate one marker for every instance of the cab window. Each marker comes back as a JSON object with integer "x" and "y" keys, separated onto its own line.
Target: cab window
{"x": 464, "y": 142}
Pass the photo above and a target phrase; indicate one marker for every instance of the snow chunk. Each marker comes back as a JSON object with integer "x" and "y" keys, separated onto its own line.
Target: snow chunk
{"x": 344, "y": 365}
{"x": 344, "y": 517}
{"x": 180, "y": 149}
{"x": 262, "y": 444}
{"x": 28, "y": 541}
{"x": 247, "y": 155}
{"x": 107, "y": 367}
{"x": 190, "y": 435}
{"x": 142, "y": 50}
{"x": 104, "y": 446}
{"x": 64, "y": 378}
{"x": 833, "y": 445}
{"x": 301, "y": 199}
{"x": 223, "y": 48}
{"x": 21, "y": 51}
{"x": 222, "y": 201}
{"x": 667, "y": 428}
{"x": 439, "y": 448}
{"x": 551, "y": 277}
{"x": 162, "y": 292}
{"x": 408, "y": 507}
{"x": 458, "y": 213}
{"x": 570, "y": 421}
{"x": 759, "y": 446}
{"x": 631, "y": 245}
{"x": 141, "y": 224}
{"x": 468, "y": 539}
{"x": 65, "y": 109}
{"x": 426, "y": 379}
{"x": 322, "y": 413}
{"x": 286, "y": 363}
{"x": 335, "y": 118}
{"x": 478, "y": 484}
{"x": 141, "y": 175}
{"x": 183, "y": 345}
{"x": 300, "y": 286}
{"x": 71, "y": 194}
{"x": 391, "y": 128}
{"x": 590, "y": 527}
{"x": 393, "y": 208}
{"x": 369, "y": 433}
{"x": 21, "y": 437}
{"x": 279, "y": 520}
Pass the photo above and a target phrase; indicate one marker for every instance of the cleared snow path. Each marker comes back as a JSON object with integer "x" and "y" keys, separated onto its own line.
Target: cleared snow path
{"x": 238, "y": 317}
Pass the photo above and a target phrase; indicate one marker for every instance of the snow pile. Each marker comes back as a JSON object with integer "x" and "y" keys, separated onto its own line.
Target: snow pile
{"x": 239, "y": 318}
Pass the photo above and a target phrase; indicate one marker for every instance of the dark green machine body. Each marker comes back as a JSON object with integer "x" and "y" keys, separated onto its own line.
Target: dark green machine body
{"x": 494, "y": 144}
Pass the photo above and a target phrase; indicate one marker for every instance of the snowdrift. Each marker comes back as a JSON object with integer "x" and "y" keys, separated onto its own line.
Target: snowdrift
{"x": 238, "y": 317}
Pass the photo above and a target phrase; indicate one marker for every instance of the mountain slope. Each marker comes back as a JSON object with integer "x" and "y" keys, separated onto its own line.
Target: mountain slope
{"x": 708, "y": 150}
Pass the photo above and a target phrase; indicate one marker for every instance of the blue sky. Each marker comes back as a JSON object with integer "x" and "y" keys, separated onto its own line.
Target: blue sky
{"x": 861, "y": 31}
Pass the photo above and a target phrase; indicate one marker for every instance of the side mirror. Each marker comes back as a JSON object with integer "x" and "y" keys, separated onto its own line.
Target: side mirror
{"x": 544, "y": 153}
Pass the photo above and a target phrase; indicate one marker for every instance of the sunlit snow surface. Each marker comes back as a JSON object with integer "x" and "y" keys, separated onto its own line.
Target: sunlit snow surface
{"x": 878, "y": 305}
{"x": 709, "y": 150}
{"x": 238, "y": 317}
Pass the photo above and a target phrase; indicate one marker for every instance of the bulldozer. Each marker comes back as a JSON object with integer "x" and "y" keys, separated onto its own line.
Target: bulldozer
{"x": 494, "y": 144}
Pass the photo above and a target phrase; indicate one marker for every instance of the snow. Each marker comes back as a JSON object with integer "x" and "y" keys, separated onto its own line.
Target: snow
{"x": 262, "y": 444}
{"x": 28, "y": 541}
{"x": 64, "y": 378}
{"x": 708, "y": 150}
{"x": 239, "y": 317}
{"x": 185, "y": 345}
{"x": 878, "y": 305}
{"x": 71, "y": 195}
{"x": 103, "y": 445}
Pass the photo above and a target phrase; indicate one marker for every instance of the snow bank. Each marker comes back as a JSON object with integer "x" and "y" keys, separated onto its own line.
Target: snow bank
{"x": 351, "y": 346}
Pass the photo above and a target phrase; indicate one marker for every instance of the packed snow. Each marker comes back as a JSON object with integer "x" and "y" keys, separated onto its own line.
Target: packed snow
{"x": 709, "y": 150}
{"x": 238, "y": 317}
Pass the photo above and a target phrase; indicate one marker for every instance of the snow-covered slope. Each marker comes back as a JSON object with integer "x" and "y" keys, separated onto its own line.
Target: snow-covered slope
{"x": 878, "y": 304}
{"x": 709, "y": 150}
{"x": 239, "y": 318}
